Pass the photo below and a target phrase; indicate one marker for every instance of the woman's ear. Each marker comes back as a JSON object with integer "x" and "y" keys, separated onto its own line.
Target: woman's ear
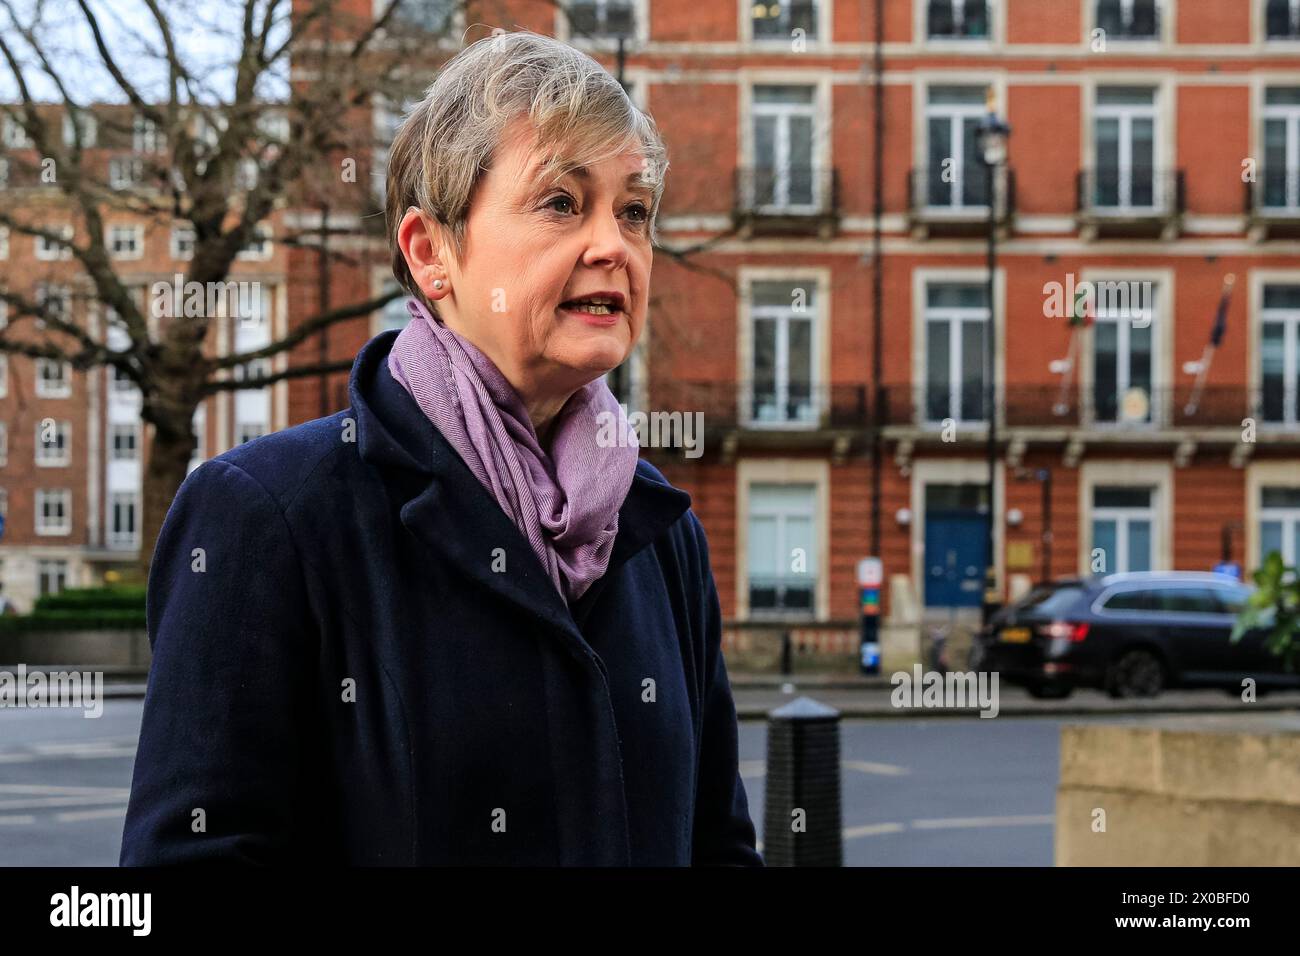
{"x": 420, "y": 241}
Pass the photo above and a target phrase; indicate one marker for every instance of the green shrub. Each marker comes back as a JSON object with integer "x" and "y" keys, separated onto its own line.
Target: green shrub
{"x": 91, "y": 599}
{"x": 73, "y": 621}
{"x": 1275, "y": 605}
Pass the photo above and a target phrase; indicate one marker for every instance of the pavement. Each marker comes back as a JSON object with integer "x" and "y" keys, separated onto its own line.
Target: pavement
{"x": 870, "y": 697}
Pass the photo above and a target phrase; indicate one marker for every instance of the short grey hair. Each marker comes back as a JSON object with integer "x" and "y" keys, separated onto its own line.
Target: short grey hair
{"x": 447, "y": 140}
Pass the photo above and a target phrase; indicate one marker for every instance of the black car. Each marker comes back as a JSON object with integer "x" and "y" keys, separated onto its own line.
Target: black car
{"x": 1130, "y": 634}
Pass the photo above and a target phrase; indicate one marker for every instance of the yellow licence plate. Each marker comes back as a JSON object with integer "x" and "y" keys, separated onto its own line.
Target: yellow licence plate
{"x": 1016, "y": 635}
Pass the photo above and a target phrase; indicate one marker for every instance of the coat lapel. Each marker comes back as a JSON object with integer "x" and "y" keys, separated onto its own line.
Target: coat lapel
{"x": 450, "y": 511}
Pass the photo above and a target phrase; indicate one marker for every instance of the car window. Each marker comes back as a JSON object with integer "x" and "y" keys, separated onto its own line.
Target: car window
{"x": 1050, "y": 599}
{"x": 1189, "y": 601}
{"x": 1135, "y": 600}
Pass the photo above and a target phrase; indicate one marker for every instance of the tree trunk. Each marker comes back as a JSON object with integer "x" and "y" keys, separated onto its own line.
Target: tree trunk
{"x": 170, "y": 450}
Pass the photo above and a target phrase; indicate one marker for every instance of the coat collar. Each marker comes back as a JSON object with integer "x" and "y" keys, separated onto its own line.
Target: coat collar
{"x": 448, "y": 509}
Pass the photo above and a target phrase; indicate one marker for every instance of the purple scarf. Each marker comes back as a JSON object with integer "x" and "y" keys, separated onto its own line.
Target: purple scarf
{"x": 567, "y": 505}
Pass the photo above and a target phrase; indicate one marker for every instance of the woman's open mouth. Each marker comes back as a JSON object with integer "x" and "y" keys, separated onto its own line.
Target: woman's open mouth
{"x": 595, "y": 310}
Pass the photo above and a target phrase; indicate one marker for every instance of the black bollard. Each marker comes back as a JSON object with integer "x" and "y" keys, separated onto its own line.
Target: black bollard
{"x": 801, "y": 816}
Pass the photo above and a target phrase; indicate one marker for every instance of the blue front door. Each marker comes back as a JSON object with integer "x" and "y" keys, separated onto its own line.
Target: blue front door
{"x": 955, "y": 553}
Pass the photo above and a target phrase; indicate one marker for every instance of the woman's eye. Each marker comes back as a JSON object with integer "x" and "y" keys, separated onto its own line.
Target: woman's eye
{"x": 550, "y": 203}
{"x": 641, "y": 210}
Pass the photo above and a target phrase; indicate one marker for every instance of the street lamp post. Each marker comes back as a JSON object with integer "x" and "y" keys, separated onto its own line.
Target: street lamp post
{"x": 992, "y": 138}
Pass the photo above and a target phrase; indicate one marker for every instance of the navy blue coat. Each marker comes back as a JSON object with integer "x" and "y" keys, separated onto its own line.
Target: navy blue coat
{"x": 343, "y": 673}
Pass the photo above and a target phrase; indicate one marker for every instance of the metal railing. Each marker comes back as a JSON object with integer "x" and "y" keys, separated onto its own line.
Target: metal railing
{"x": 766, "y": 405}
{"x": 1275, "y": 194}
{"x": 931, "y": 197}
{"x": 1049, "y": 405}
{"x": 1144, "y": 23}
{"x": 1136, "y": 192}
{"x": 787, "y": 192}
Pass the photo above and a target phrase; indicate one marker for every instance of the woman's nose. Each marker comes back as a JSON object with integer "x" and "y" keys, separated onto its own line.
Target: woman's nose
{"x": 606, "y": 244}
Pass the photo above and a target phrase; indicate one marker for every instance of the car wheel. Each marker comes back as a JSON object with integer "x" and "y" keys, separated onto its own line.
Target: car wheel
{"x": 1135, "y": 673}
{"x": 1049, "y": 691}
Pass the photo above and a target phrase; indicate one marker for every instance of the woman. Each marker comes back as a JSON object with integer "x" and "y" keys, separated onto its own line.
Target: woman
{"x": 453, "y": 624}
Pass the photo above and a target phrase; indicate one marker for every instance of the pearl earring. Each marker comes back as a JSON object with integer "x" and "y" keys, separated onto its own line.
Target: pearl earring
{"x": 437, "y": 283}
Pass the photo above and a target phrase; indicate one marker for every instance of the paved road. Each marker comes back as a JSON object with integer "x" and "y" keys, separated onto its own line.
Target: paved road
{"x": 951, "y": 791}
{"x": 64, "y": 783}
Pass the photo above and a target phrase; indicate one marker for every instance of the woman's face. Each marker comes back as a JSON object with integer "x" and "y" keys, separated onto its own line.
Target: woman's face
{"x": 528, "y": 249}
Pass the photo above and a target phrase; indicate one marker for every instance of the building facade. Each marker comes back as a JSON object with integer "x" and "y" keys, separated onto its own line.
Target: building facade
{"x": 73, "y": 448}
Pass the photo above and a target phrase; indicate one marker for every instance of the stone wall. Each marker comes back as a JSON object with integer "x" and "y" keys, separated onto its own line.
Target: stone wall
{"x": 1190, "y": 791}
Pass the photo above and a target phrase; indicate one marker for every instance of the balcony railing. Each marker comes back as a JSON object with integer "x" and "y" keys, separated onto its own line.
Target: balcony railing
{"x": 960, "y": 20}
{"x": 786, "y": 199}
{"x": 1050, "y": 406}
{"x": 1143, "y": 24}
{"x": 788, "y": 594}
{"x": 1137, "y": 198}
{"x": 1273, "y": 202}
{"x": 764, "y": 406}
{"x": 937, "y": 204}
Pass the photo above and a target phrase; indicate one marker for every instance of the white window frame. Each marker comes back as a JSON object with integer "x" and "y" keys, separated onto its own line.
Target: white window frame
{"x": 115, "y": 538}
{"x": 54, "y": 252}
{"x": 146, "y": 137}
{"x": 819, "y": 114}
{"x": 640, "y": 29}
{"x": 44, "y": 387}
{"x": 1289, "y": 518}
{"x": 1290, "y": 322}
{"x": 922, "y": 279}
{"x": 43, "y": 527}
{"x": 956, "y": 113}
{"x": 1125, "y": 114}
{"x": 4, "y": 234}
{"x": 997, "y": 29}
{"x": 1288, "y": 113}
{"x": 125, "y": 172}
{"x": 1160, "y": 322}
{"x": 52, "y": 456}
{"x": 89, "y": 129}
{"x": 1122, "y": 516}
{"x": 825, "y": 20}
{"x": 784, "y": 471}
{"x": 47, "y": 290}
{"x": 123, "y": 428}
{"x": 818, "y": 282}
{"x": 954, "y": 316}
{"x": 1129, "y": 473}
{"x": 51, "y": 567}
{"x": 1165, "y": 13}
{"x": 15, "y": 135}
{"x": 177, "y": 233}
{"x": 804, "y": 509}
{"x": 4, "y": 444}
{"x": 136, "y": 233}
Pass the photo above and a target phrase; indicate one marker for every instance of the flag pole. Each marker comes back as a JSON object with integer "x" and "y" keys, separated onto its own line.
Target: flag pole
{"x": 1207, "y": 356}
